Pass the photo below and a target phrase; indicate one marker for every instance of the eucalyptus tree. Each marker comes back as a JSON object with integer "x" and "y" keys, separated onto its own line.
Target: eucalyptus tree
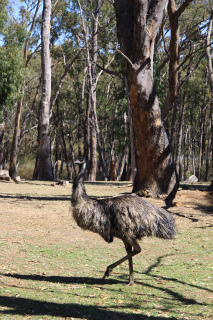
{"x": 174, "y": 15}
{"x": 12, "y": 75}
{"x": 26, "y": 58}
{"x": 16, "y": 33}
{"x": 210, "y": 73}
{"x": 87, "y": 38}
{"x": 43, "y": 168}
{"x": 192, "y": 64}
{"x": 181, "y": 52}
{"x": 93, "y": 50}
{"x": 138, "y": 23}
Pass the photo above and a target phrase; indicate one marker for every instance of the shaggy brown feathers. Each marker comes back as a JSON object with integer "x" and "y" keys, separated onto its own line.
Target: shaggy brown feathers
{"x": 127, "y": 217}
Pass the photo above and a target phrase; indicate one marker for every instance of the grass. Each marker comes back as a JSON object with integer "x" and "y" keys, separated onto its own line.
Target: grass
{"x": 51, "y": 269}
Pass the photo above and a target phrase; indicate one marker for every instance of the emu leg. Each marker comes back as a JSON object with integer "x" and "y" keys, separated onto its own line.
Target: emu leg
{"x": 129, "y": 250}
{"x": 136, "y": 250}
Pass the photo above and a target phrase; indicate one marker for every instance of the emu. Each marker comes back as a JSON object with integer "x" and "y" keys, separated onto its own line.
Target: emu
{"x": 127, "y": 217}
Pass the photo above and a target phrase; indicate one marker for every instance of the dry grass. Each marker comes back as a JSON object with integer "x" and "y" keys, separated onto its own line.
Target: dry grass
{"x": 51, "y": 269}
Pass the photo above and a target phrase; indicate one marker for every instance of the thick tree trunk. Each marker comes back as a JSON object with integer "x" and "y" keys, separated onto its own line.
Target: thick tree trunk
{"x": 43, "y": 169}
{"x": 137, "y": 25}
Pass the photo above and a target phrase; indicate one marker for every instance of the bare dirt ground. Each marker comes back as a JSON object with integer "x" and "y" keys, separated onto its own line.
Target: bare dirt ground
{"x": 41, "y": 212}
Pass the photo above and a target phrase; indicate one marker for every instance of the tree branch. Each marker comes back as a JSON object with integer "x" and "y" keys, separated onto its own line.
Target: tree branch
{"x": 191, "y": 72}
{"x": 29, "y": 34}
{"x": 181, "y": 9}
{"x": 109, "y": 71}
{"x": 62, "y": 80}
{"x": 130, "y": 62}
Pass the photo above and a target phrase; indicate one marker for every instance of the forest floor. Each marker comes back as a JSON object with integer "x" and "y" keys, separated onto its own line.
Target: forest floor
{"x": 51, "y": 269}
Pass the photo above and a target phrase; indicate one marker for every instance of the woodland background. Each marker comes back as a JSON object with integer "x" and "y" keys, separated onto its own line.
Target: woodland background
{"x": 183, "y": 47}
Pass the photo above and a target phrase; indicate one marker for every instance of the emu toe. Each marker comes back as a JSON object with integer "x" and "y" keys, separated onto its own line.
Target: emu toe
{"x": 131, "y": 283}
{"x": 107, "y": 272}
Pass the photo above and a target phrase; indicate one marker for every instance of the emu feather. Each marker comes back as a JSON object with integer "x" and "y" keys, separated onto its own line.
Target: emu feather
{"x": 127, "y": 217}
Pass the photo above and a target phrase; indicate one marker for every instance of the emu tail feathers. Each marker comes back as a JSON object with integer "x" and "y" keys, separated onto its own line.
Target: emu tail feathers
{"x": 157, "y": 222}
{"x": 166, "y": 227}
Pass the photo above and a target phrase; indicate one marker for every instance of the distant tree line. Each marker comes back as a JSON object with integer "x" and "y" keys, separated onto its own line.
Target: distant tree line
{"x": 74, "y": 80}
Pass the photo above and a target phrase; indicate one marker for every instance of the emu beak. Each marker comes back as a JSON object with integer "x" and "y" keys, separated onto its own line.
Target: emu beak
{"x": 78, "y": 161}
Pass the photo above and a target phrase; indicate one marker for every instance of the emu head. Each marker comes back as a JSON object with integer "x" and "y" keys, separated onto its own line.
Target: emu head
{"x": 81, "y": 161}
{"x": 78, "y": 182}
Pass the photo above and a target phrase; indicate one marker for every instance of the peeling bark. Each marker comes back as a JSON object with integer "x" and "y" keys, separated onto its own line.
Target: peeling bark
{"x": 137, "y": 26}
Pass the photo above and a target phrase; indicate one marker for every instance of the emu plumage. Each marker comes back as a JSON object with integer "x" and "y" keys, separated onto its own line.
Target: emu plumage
{"x": 127, "y": 217}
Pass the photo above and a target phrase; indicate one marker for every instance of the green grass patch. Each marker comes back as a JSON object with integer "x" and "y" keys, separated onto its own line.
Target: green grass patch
{"x": 51, "y": 269}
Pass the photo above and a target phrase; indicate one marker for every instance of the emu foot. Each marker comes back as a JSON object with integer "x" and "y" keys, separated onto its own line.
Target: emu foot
{"x": 107, "y": 272}
{"x": 131, "y": 283}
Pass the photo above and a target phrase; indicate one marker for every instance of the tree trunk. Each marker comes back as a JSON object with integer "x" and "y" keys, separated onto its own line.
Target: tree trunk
{"x": 207, "y": 158}
{"x": 2, "y": 130}
{"x": 173, "y": 62}
{"x": 137, "y": 26}
{"x": 14, "y": 147}
{"x": 174, "y": 15}
{"x": 122, "y": 165}
{"x": 43, "y": 169}
{"x": 202, "y": 125}
{"x": 210, "y": 71}
{"x": 69, "y": 173}
{"x": 131, "y": 130}
{"x": 173, "y": 129}
{"x": 180, "y": 138}
{"x": 205, "y": 125}
{"x": 17, "y": 139}
{"x": 113, "y": 169}
{"x": 92, "y": 92}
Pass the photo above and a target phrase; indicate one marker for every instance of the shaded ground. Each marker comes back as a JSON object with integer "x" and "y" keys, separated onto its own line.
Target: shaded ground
{"x": 54, "y": 268}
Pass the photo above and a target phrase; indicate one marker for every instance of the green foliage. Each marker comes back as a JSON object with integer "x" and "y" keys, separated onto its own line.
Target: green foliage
{"x": 3, "y": 14}
{"x": 67, "y": 37}
{"x": 11, "y": 59}
{"x": 11, "y": 74}
{"x": 15, "y": 34}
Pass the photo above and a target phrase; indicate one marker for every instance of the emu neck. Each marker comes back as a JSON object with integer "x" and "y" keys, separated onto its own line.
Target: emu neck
{"x": 78, "y": 189}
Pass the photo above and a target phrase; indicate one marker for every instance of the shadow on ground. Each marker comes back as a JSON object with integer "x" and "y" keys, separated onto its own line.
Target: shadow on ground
{"x": 40, "y": 198}
{"x": 24, "y": 306}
